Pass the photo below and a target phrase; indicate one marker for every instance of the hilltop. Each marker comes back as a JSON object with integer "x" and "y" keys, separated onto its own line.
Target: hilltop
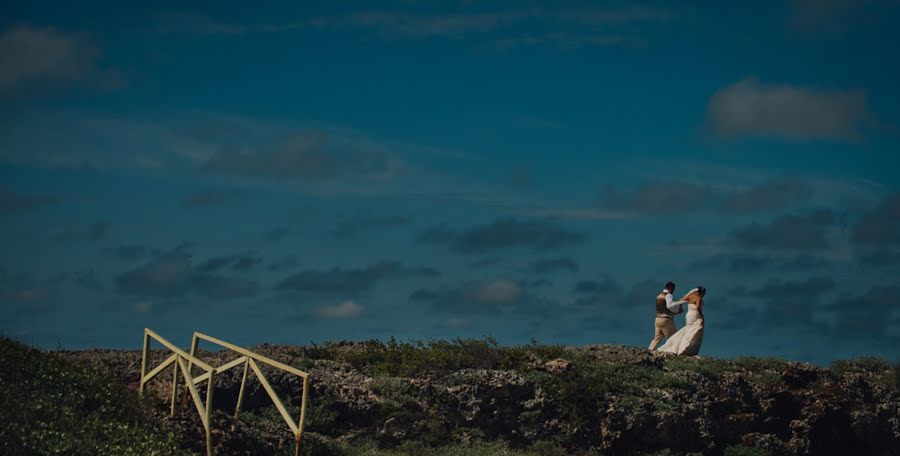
{"x": 469, "y": 397}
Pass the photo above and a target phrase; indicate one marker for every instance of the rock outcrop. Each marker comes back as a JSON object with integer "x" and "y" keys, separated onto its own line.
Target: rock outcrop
{"x": 609, "y": 399}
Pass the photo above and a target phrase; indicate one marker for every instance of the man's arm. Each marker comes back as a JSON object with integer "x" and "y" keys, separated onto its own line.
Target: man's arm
{"x": 674, "y": 306}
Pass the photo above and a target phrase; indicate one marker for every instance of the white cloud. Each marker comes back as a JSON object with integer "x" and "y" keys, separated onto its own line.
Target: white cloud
{"x": 750, "y": 108}
{"x": 500, "y": 291}
{"x": 345, "y": 309}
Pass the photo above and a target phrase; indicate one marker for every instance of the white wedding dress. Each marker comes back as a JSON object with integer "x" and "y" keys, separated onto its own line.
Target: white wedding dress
{"x": 687, "y": 340}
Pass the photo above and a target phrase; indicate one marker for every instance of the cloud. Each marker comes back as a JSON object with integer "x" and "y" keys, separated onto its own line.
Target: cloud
{"x": 737, "y": 318}
{"x": 558, "y": 27}
{"x": 92, "y": 232}
{"x": 792, "y": 303}
{"x": 169, "y": 275}
{"x": 618, "y": 309}
{"x": 220, "y": 287}
{"x": 803, "y": 262}
{"x": 457, "y": 322}
{"x": 482, "y": 263}
{"x": 753, "y": 264}
{"x": 61, "y": 138}
{"x": 606, "y": 285}
{"x": 32, "y": 55}
{"x": 788, "y": 232}
{"x": 208, "y": 198}
{"x": 422, "y": 26}
{"x": 423, "y": 294}
{"x": 504, "y": 233}
{"x": 837, "y": 16}
{"x": 876, "y": 235}
{"x": 549, "y": 265}
{"x": 521, "y": 179}
{"x": 735, "y": 263}
{"x": 678, "y": 197}
{"x": 276, "y": 234}
{"x": 216, "y": 263}
{"x": 606, "y": 297}
{"x": 172, "y": 275}
{"x": 129, "y": 252}
{"x": 246, "y": 262}
{"x": 306, "y": 157}
{"x": 487, "y": 297}
{"x": 286, "y": 262}
{"x": 25, "y": 295}
{"x": 240, "y": 262}
{"x": 351, "y": 227}
{"x": 350, "y": 281}
{"x": 771, "y": 195}
{"x": 496, "y": 292}
{"x": 17, "y": 203}
{"x": 565, "y": 40}
{"x": 345, "y": 309}
{"x": 749, "y": 108}
{"x": 86, "y": 279}
{"x": 658, "y": 197}
{"x": 866, "y": 315}
{"x": 879, "y": 258}
{"x": 879, "y": 227}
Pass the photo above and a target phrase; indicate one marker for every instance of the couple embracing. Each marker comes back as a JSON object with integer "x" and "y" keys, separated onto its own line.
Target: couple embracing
{"x": 687, "y": 340}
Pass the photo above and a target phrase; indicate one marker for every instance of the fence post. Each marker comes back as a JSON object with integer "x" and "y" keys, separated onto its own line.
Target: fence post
{"x": 194, "y": 342}
{"x": 209, "y": 400}
{"x": 240, "y": 400}
{"x": 144, "y": 361}
{"x": 174, "y": 388}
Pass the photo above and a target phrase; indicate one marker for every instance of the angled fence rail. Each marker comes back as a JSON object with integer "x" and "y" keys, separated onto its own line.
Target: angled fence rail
{"x": 178, "y": 358}
{"x": 248, "y": 359}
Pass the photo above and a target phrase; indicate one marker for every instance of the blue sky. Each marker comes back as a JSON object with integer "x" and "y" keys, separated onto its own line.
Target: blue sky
{"x": 329, "y": 171}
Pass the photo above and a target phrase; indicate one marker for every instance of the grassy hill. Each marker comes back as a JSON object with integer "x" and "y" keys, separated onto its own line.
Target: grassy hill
{"x": 462, "y": 397}
{"x": 51, "y": 405}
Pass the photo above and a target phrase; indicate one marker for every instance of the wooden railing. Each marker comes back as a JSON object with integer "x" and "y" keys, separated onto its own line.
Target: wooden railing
{"x": 178, "y": 358}
{"x": 248, "y": 359}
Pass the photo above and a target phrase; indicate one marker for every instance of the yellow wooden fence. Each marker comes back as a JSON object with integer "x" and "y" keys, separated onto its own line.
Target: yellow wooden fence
{"x": 248, "y": 359}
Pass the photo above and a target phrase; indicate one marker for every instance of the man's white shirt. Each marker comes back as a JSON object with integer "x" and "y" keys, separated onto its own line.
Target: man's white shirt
{"x": 671, "y": 304}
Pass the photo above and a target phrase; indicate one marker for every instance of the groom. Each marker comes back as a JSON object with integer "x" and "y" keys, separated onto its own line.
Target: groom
{"x": 666, "y": 309}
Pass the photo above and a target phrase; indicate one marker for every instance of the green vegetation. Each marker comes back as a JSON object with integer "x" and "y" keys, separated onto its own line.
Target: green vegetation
{"x": 863, "y": 364}
{"x": 712, "y": 368}
{"x": 49, "y": 405}
{"x": 755, "y": 364}
{"x": 897, "y": 375}
{"x": 415, "y": 358}
{"x": 740, "y": 450}
{"x": 884, "y": 373}
{"x": 481, "y": 449}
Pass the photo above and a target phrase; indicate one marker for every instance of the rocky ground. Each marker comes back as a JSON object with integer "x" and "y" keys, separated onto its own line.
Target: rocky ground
{"x": 412, "y": 397}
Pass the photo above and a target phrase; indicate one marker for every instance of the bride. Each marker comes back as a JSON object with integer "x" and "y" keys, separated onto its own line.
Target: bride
{"x": 687, "y": 340}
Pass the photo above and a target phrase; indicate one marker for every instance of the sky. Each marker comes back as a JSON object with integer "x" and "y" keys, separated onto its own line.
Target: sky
{"x": 325, "y": 171}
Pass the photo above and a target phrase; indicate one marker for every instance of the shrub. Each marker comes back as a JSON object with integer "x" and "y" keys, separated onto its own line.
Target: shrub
{"x": 897, "y": 375}
{"x": 757, "y": 364}
{"x": 50, "y": 405}
{"x": 740, "y": 450}
{"x": 414, "y": 358}
{"x": 862, "y": 364}
{"x": 709, "y": 367}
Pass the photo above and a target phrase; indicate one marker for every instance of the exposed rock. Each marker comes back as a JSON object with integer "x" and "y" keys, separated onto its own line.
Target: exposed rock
{"x": 644, "y": 403}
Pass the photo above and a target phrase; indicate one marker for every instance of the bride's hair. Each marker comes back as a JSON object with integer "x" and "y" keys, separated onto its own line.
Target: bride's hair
{"x": 701, "y": 291}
